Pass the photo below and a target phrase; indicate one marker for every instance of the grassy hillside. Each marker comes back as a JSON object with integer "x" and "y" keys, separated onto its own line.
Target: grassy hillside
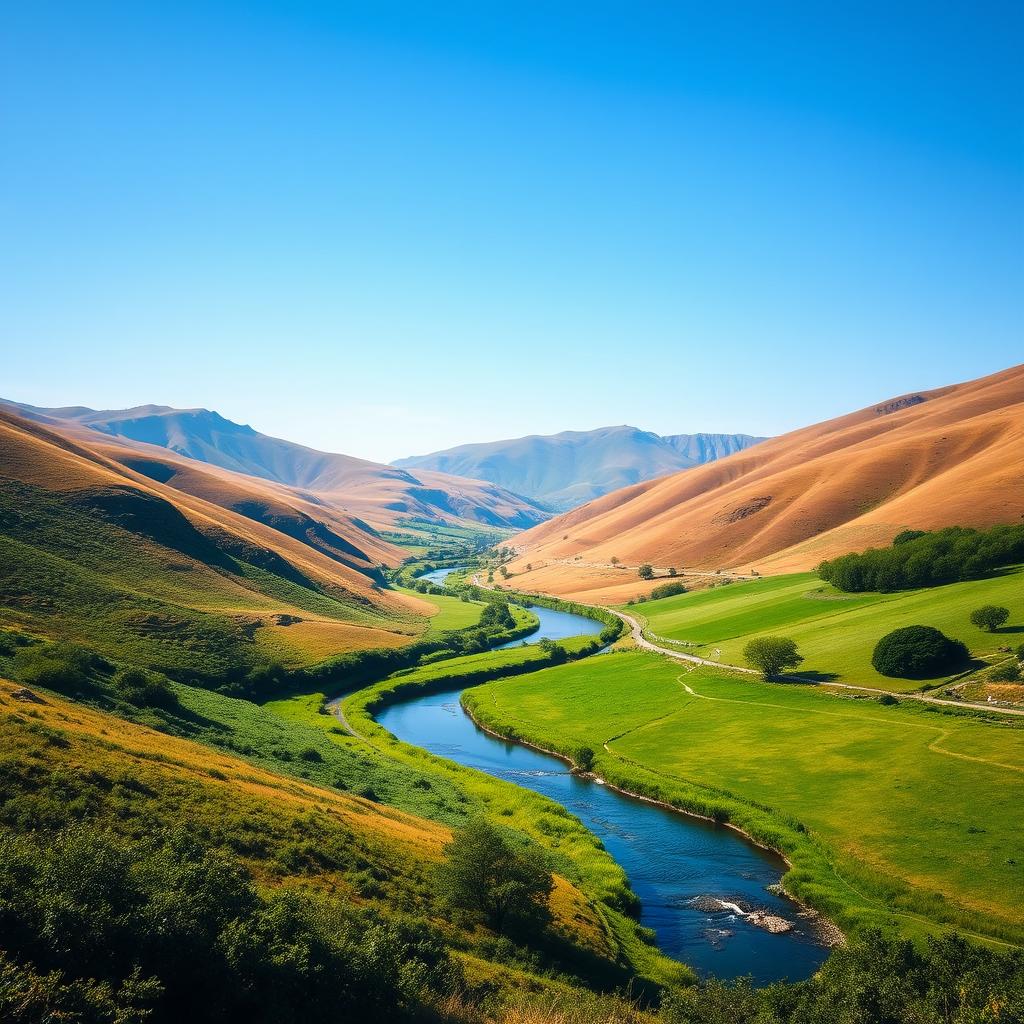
{"x": 95, "y": 553}
{"x": 888, "y": 814}
{"x": 947, "y": 457}
{"x": 836, "y": 632}
{"x": 286, "y": 900}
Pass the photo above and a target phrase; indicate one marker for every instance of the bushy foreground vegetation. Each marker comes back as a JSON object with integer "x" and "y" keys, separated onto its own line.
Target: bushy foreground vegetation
{"x": 877, "y": 980}
{"x": 919, "y": 559}
{"x": 161, "y": 924}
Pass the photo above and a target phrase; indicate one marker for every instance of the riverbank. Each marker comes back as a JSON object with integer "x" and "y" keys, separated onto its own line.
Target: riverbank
{"x": 828, "y": 933}
{"x": 574, "y": 850}
{"x": 777, "y": 762}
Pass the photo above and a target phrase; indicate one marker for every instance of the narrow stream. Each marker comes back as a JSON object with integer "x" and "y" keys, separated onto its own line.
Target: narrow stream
{"x": 678, "y": 865}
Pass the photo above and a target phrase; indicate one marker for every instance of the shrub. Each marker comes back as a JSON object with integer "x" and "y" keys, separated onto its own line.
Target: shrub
{"x": 144, "y": 689}
{"x": 917, "y": 652}
{"x": 770, "y": 655}
{"x": 490, "y": 877}
{"x": 11, "y": 640}
{"x": 497, "y": 616}
{"x": 1008, "y": 673}
{"x": 989, "y": 616}
{"x": 584, "y": 759}
{"x": 64, "y": 667}
{"x": 667, "y": 590}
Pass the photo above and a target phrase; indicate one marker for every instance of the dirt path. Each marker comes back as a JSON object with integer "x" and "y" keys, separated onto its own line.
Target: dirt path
{"x": 335, "y": 709}
{"x": 636, "y": 631}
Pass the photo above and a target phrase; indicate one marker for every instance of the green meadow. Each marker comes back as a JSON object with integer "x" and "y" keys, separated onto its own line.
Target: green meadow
{"x": 452, "y": 612}
{"x": 897, "y": 815}
{"x": 835, "y": 632}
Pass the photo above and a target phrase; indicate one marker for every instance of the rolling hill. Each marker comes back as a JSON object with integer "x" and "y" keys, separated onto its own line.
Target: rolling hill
{"x": 564, "y": 470}
{"x": 160, "y": 563}
{"x": 382, "y": 495}
{"x": 952, "y": 456}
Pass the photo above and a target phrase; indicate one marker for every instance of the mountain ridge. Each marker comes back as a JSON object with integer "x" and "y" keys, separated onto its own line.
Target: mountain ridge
{"x": 381, "y": 495}
{"x": 571, "y": 467}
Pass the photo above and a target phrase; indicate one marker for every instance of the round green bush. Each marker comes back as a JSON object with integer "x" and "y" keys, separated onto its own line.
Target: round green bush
{"x": 917, "y": 652}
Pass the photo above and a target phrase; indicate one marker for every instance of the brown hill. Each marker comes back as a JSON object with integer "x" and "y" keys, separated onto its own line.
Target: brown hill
{"x": 938, "y": 458}
{"x": 382, "y": 495}
{"x": 188, "y": 569}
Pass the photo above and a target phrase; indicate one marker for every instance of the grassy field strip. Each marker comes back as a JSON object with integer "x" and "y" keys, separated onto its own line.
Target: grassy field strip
{"x": 933, "y": 746}
{"x": 642, "y": 639}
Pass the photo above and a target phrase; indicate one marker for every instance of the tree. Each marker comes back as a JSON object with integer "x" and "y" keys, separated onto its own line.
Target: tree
{"x": 646, "y": 571}
{"x": 672, "y": 571}
{"x": 989, "y": 616}
{"x": 614, "y": 559}
{"x": 770, "y": 655}
{"x": 584, "y": 759}
{"x": 497, "y": 616}
{"x": 489, "y": 876}
{"x": 917, "y": 652}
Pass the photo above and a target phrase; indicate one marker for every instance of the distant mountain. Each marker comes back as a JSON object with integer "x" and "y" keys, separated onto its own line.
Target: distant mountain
{"x": 382, "y": 495}
{"x": 952, "y": 456}
{"x": 565, "y": 470}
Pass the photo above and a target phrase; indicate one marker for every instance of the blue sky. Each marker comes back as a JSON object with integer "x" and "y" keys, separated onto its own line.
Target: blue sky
{"x": 387, "y": 228}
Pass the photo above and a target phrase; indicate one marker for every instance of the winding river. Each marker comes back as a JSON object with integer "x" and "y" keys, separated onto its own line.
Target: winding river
{"x": 678, "y": 865}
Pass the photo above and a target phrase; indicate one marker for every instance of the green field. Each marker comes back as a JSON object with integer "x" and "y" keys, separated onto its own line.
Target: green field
{"x": 835, "y": 632}
{"x": 901, "y": 810}
{"x": 452, "y": 612}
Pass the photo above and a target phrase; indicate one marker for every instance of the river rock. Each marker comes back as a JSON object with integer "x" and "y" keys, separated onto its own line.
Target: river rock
{"x": 706, "y": 904}
{"x": 769, "y": 922}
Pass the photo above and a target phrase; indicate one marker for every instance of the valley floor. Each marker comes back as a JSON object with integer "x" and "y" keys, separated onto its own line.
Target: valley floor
{"x": 902, "y": 813}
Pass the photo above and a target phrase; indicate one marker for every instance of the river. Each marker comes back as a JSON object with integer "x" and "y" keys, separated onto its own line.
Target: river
{"x": 673, "y": 861}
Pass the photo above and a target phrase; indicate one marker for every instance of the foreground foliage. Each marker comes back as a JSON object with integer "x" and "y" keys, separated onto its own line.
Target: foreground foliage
{"x": 878, "y": 980}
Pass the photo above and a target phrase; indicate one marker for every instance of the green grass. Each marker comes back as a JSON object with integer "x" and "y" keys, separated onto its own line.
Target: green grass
{"x": 835, "y": 632}
{"x": 169, "y": 598}
{"x": 452, "y": 613}
{"x": 900, "y": 812}
{"x": 575, "y": 851}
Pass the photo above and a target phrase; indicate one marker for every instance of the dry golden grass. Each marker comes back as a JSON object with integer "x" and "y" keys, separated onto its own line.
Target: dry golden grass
{"x": 954, "y": 456}
{"x": 313, "y": 640}
{"x": 64, "y": 462}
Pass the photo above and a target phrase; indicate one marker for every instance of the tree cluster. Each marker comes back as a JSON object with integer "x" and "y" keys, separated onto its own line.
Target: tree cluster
{"x": 918, "y": 559}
